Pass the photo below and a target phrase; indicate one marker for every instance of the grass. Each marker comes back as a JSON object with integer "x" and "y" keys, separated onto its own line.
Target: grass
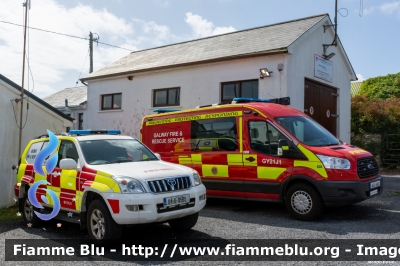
{"x": 9, "y": 214}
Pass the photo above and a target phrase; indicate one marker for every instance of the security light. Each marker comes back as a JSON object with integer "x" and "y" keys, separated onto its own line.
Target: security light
{"x": 264, "y": 73}
{"x": 329, "y": 56}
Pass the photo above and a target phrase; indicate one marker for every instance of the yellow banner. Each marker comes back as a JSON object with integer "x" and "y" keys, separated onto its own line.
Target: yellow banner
{"x": 194, "y": 117}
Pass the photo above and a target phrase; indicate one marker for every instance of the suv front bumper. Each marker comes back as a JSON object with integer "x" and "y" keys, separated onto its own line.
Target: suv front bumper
{"x": 150, "y": 206}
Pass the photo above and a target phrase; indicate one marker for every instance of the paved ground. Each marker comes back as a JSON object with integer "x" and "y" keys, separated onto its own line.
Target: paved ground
{"x": 377, "y": 218}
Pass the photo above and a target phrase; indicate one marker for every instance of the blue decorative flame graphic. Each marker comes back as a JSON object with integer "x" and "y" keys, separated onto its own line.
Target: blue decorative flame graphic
{"x": 50, "y": 165}
{"x": 32, "y": 198}
{"x": 41, "y": 157}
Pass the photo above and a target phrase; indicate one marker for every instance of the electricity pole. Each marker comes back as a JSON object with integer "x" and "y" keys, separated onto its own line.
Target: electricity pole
{"x": 23, "y": 78}
{"x": 91, "y": 40}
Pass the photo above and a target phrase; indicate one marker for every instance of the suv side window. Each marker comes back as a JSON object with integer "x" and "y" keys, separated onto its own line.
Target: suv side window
{"x": 264, "y": 137}
{"x": 33, "y": 151}
{"x": 67, "y": 150}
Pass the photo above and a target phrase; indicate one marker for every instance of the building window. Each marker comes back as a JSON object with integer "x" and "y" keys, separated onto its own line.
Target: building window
{"x": 111, "y": 101}
{"x": 166, "y": 97}
{"x": 247, "y": 89}
{"x": 80, "y": 121}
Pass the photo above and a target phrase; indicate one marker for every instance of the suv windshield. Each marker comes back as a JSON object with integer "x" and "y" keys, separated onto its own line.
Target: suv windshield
{"x": 107, "y": 151}
{"x": 307, "y": 131}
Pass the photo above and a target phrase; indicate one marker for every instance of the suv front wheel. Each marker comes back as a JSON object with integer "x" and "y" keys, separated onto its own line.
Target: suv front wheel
{"x": 101, "y": 226}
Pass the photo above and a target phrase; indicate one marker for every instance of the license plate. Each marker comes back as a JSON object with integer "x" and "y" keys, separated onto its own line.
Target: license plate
{"x": 374, "y": 184}
{"x": 373, "y": 192}
{"x": 182, "y": 199}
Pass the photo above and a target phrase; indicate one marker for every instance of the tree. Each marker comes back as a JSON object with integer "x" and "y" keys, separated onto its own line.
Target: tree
{"x": 383, "y": 87}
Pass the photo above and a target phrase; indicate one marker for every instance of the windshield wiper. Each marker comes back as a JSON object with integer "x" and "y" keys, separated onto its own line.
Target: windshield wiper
{"x": 119, "y": 161}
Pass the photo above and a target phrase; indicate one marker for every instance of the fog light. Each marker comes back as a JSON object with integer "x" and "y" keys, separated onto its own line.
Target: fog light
{"x": 202, "y": 197}
{"x": 132, "y": 208}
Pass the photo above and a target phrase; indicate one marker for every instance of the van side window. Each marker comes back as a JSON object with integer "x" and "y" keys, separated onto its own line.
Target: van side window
{"x": 264, "y": 137}
{"x": 218, "y": 134}
{"x": 67, "y": 150}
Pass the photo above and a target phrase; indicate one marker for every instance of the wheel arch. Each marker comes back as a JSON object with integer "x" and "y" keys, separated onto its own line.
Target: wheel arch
{"x": 299, "y": 179}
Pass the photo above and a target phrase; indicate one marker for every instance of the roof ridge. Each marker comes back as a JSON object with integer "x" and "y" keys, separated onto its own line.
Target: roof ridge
{"x": 218, "y": 35}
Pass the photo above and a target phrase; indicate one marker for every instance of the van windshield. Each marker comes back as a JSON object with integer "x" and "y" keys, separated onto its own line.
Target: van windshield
{"x": 307, "y": 131}
{"x": 109, "y": 151}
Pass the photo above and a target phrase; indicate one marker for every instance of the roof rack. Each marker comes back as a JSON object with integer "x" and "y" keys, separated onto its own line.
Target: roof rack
{"x": 95, "y": 131}
{"x": 283, "y": 101}
{"x": 47, "y": 135}
{"x": 161, "y": 111}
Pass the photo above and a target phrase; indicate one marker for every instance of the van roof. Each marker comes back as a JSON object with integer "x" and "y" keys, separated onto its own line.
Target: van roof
{"x": 270, "y": 109}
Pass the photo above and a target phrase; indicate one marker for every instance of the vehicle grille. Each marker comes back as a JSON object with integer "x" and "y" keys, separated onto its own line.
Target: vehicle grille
{"x": 367, "y": 167}
{"x": 169, "y": 184}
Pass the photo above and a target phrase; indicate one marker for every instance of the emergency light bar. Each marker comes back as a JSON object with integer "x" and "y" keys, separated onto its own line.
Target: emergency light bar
{"x": 161, "y": 111}
{"x": 93, "y": 131}
{"x": 283, "y": 101}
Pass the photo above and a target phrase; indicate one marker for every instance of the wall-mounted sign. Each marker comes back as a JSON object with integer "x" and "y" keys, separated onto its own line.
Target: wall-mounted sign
{"x": 311, "y": 110}
{"x": 323, "y": 68}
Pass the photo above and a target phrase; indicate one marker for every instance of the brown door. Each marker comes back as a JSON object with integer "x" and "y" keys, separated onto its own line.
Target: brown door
{"x": 320, "y": 103}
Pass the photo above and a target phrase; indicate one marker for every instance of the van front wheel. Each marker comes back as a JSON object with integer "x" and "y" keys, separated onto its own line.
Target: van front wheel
{"x": 304, "y": 202}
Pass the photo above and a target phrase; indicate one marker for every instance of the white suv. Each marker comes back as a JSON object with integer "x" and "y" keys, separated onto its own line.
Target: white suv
{"x": 106, "y": 181}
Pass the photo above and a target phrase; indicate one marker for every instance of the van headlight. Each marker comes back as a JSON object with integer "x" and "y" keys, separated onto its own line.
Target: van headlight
{"x": 196, "y": 178}
{"x": 129, "y": 185}
{"x": 334, "y": 162}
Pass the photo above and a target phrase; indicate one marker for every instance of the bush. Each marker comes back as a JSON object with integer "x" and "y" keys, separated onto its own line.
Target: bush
{"x": 385, "y": 87}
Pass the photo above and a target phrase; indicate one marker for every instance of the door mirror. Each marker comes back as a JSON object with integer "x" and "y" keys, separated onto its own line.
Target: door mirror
{"x": 158, "y": 155}
{"x": 283, "y": 148}
{"x": 68, "y": 164}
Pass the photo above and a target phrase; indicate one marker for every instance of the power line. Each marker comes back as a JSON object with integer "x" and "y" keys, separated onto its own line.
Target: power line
{"x": 72, "y": 36}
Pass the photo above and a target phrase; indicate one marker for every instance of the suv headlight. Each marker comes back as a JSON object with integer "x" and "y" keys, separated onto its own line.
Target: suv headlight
{"x": 129, "y": 185}
{"x": 334, "y": 162}
{"x": 196, "y": 178}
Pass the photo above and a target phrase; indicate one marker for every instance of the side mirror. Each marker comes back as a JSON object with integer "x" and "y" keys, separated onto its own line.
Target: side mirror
{"x": 283, "y": 148}
{"x": 68, "y": 164}
{"x": 158, "y": 155}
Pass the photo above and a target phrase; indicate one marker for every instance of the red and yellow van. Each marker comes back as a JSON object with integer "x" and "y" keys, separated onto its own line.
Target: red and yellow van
{"x": 252, "y": 149}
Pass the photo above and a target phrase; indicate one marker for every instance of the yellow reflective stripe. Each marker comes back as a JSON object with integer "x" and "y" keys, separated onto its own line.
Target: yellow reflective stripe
{"x": 222, "y": 170}
{"x": 235, "y": 159}
{"x": 194, "y": 117}
{"x": 185, "y": 160}
{"x": 68, "y": 179}
{"x": 240, "y": 135}
{"x": 313, "y": 162}
{"x": 106, "y": 181}
{"x": 21, "y": 172}
{"x": 38, "y": 177}
{"x": 254, "y": 109}
{"x": 269, "y": 172}
{"x": 55, "y": 189}
{"x": 249, "y": 163}
{"x": 197, "y": 159}
{"x": 100, "y": 187}
{"x": 285, "y": 148}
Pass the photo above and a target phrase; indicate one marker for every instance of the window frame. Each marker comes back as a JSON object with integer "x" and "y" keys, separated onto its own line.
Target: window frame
{"x": 240, "y": 89}
{"x": 80, "y": 120}
{"x": 167, "y": 97}
{"x": 112, "y": 101}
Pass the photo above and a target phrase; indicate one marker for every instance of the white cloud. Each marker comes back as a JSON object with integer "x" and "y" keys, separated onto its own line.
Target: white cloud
{"x": 360, "y": 77}
{"x": 54, "y": 59}
{"x": 203, "y": 28}
{"x": 387, "y": 9}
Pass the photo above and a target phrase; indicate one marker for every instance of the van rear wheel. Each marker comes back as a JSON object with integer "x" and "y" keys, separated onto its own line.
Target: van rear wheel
{"x": 184, "y": 223}
{"x": 304, "y": 202}
{"x": 29, "y": 213}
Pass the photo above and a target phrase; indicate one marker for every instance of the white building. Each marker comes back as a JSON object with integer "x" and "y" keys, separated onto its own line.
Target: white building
{"x": 72, "y": 102}
{"x": 218, "y": 68}
{"x": 36, "y": 120}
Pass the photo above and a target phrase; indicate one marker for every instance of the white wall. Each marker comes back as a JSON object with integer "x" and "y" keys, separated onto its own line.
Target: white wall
{"x": 39, "y": 120}
{"x": 301, "y": 66}
{"x": 200, "y": 85}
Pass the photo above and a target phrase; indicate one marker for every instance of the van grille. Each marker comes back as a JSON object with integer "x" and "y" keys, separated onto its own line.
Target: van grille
{"x": 367, "y": 167}
{"x": 169, "y": 184}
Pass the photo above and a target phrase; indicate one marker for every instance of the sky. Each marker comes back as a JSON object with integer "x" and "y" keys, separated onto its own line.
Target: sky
{"x": 368, "y": 29}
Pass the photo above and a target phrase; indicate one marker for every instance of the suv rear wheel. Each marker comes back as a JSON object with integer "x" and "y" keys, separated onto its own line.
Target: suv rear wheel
{"x": 184, "y": 223}
{"x": 29, "y": 214}
{"x": 101, "y": 226}
{"x": 304, "y": 202}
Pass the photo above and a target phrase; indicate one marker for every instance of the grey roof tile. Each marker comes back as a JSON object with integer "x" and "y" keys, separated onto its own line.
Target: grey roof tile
{"x": 75, "y": 96}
